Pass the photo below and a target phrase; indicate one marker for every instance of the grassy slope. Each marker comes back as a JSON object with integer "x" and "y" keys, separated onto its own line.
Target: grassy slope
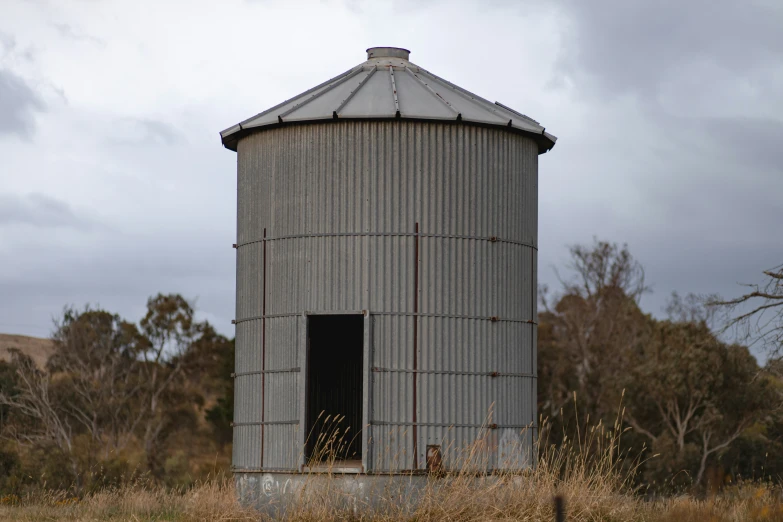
{"x": 37, "y": 348}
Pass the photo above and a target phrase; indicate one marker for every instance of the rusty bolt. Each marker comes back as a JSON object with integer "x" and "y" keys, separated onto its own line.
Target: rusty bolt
{"x": 493, "y": 426}
{"x": 494, "y": 318}
{"x": 234, "y": 245}
{"x": 494, "y": 374}
{"x": 493, "y": 238}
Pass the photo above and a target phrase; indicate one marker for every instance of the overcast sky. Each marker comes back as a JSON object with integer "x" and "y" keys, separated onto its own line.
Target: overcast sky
{"x": 114, "y": 185}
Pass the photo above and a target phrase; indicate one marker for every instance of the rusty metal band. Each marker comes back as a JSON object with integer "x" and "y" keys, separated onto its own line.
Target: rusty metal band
{"x": 453, "y": 372}
{"x": 263, "y": 423}
{"x": 455, "y": 425}
{"x": 260, "y": 372}
{"x": 494, "y": 319}
{"x": 416, "y": 298}
{"x": 491, "y": 239}
{"x": 237, "y": 469}
{"x": 409, "y": 314}
{"x": 382, "y": 472}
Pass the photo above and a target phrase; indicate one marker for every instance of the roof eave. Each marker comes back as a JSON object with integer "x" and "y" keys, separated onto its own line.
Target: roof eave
{"x": 231, "y": 136}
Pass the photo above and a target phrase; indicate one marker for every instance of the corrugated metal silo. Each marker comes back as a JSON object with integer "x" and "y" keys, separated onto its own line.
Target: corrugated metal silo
{"x": 386, "y": 270}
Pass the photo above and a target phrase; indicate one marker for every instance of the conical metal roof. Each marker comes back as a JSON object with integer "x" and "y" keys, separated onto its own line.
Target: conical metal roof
{"x": 388, "y": 86}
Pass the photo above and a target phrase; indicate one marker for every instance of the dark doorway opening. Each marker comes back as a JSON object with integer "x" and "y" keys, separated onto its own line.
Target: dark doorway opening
{"x": 335, "y": 388}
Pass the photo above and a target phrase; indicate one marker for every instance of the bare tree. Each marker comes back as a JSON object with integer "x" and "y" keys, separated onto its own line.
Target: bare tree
{"x": 692, "y": 308}
{"x": 757, "y": 315}
{"x": 44, "y": 419}
{"x": 604, "y": 267}
{"x": 98, "y": 354}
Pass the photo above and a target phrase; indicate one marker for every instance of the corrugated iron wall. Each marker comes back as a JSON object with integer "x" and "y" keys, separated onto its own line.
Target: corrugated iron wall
{"x": 339, "y": 204}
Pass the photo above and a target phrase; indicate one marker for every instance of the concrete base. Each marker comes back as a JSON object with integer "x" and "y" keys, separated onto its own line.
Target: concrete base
{"x": 276, "y": 493}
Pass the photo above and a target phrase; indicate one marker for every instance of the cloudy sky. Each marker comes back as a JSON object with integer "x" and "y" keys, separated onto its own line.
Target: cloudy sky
{"x": 114, "y": 185}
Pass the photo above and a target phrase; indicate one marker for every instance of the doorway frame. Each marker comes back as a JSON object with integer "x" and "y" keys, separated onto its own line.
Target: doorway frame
{"x": 304, "y": 349}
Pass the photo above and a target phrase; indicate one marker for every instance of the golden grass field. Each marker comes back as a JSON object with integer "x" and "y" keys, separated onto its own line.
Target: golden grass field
{"x": 586, "y": 498}
{"x": 592, "y": 484}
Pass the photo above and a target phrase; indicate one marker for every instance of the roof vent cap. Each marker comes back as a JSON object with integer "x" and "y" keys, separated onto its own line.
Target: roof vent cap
{"x": 388, "y": 52}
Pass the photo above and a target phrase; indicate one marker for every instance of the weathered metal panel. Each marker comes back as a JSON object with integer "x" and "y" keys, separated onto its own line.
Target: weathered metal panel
{"x": 340, "y": 204}
{"x": 247, "y": 447}
{"x": 476, "y": 278}
{"x": 279, "y": 451}
{"x": 247, "y": 415}
{"x": 475, "y": 181}
{"x": 392, "y": 393}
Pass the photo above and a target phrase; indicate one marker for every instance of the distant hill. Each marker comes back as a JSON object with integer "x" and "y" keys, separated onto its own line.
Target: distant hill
{"x": 37, "y": 348}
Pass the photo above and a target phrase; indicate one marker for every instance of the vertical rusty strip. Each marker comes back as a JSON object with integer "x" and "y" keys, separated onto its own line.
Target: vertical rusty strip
{"x": 415, "y": 343}
{"x": 263, "y": 350}
{"x": 533, "y": 348}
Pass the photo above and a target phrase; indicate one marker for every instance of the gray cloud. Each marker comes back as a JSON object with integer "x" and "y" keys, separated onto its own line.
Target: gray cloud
{"x": 117, "y": 272}
{"x": 637, "y": 45}
{"x": 11, "y": 48}
{"x": 159, "y": 132}
{"x": 7, "y": 41}
{"x": 67, "y": 31}
{"x": 752, "y": 141}
{"x": 669, "y": 116}
{"x": 18, "y": 105}
{"x": 145, "y": 132}
{"x": 692, "y": 180}
{"x": 39, "y": 210}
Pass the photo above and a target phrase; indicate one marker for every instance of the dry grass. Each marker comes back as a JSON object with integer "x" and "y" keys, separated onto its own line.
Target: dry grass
{"x": 214, "y": 500}
{"x": 528, "y": 499}
{"x": 586, "y": 474}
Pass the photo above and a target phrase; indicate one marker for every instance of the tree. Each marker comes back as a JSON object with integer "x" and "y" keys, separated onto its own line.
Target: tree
{"x": 42, "y": 417}
{"x": 692, "y": 395}
{"x": 171, "y": 330}
{"x": 110, "y": 385}
{"x": 96, "y": 356}
{"x": 210, "y": 364}
{"x": 588, "y": 330}
{"x": 758, "y": 314}
{"x": 7, "y": 386}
